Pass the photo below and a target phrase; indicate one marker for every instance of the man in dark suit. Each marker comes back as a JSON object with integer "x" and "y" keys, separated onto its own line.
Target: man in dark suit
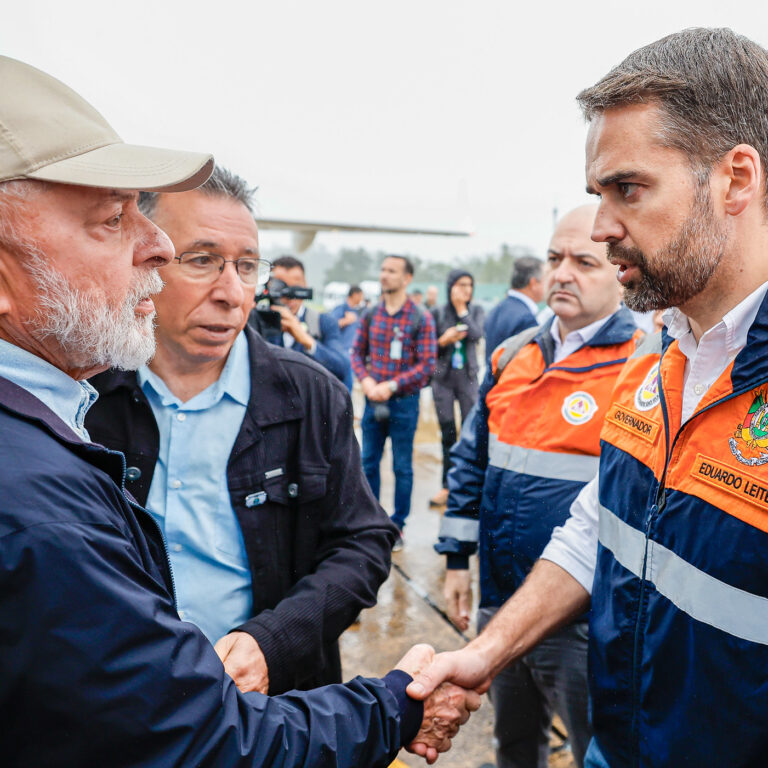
{"x": 518, "y": 310}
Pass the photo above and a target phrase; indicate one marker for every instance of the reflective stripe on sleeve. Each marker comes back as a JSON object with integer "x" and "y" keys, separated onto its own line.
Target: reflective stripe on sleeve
{"x": 575, "y": 467}
{"x": 460, "y": 528}
{"x": 696, "y": 593}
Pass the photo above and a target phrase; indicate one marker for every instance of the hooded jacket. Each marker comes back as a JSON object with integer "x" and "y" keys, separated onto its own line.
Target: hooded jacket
{"x": 445, "y": 318}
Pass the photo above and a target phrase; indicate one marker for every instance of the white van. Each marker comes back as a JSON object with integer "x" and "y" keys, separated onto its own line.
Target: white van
{"x": 334, "y": 293}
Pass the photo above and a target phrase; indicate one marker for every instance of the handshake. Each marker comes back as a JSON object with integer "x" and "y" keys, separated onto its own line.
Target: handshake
{"x": 450, "y": 685}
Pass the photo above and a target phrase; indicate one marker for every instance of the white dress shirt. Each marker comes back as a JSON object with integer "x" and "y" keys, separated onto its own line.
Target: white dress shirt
{"x": 573, "y": 546}
{"x": 574, "y": 339}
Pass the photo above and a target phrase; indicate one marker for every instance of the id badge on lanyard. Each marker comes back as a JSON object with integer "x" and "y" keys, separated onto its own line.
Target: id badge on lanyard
{"x": 396, "y": 345}
{"x": 457, "y": 357}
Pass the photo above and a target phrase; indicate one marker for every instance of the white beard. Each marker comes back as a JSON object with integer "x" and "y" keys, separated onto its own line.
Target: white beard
{"x": 91, "y": 333}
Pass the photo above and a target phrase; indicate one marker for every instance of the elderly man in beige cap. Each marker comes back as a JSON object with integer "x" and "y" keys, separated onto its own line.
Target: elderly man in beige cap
{"x": 96, "y": 668}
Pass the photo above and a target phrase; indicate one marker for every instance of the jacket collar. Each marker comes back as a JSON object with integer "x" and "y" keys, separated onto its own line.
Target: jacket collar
{"x": 24, "y": 404}
{"x": 750, "y": 367}
{"x": 619, "y": 329}
{"x": 18, "y": 400}
{"x": 751, "y": 364}
{"x": 273, "y": 398}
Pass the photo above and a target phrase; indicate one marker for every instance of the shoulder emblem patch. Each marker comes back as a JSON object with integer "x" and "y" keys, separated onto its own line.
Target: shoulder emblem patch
{"x": 579, "y": 408}
{"x": 750, "y": 439}
{"x": 647, "y": 395}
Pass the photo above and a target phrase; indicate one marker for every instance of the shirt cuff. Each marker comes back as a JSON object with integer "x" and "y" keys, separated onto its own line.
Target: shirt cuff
{"x": 313, "y": 348}
{"x": 411, "y": 711}
{"x": 454, "y": 562}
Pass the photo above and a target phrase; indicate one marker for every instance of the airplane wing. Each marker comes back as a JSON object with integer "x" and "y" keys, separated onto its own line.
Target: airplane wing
{"x": 305, "y": 231}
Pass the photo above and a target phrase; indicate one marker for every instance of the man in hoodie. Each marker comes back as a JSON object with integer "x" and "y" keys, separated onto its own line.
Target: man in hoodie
{"x": 459, "y": 326}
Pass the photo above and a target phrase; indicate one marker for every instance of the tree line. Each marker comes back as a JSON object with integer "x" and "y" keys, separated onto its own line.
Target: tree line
{"x": 354, "y": 265}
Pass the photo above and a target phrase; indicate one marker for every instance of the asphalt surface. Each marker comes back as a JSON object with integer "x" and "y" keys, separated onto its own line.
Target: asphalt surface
{"x": 403, "y": 617}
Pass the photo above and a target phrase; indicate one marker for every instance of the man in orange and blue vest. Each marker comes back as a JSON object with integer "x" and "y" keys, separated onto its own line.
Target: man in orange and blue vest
{"x": 669, "y": 543}
{"x": 532, "y": 445}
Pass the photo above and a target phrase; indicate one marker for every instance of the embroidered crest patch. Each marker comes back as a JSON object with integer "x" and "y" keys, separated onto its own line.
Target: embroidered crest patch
{"x": 647, "y": 395}
{"x": 750, "y": 439}
{"x": 579, "y": 408}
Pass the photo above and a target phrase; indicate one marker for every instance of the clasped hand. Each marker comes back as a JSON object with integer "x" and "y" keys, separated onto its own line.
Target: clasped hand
{"x": 446, "y": 708}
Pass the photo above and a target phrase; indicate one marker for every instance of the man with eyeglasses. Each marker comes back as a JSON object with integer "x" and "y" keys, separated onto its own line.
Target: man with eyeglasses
{"x": 275, "y": 540}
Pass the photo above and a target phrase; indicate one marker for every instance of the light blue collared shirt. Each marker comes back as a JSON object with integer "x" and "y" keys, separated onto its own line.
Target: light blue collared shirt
{"x": 189, "y": 497}
{"x": 67, "y": 398}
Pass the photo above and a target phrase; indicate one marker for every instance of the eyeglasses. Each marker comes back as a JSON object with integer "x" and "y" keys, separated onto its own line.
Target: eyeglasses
{"x": 200, "y": 265}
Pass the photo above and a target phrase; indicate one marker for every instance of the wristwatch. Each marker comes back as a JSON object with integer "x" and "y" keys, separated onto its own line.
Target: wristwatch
{"x": 392, "y": 386}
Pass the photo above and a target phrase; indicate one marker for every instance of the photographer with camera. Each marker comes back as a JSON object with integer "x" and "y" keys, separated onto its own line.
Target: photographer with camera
{"x": 291, "y": 324}
{"x": 393, "y": 357}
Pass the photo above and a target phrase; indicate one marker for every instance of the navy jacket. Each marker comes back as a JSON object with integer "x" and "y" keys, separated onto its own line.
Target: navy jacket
{"x": 95, "y": 666}
{"x": 508, "y": 318}
{"x": 318, "y": 557}
{"x": 329, "y": 350}
{"x": 348, "y": 332}
{"x": 523, "y": 457}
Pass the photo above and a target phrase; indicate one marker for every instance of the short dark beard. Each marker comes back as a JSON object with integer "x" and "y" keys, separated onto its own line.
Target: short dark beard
{"x": 681, "y": 269}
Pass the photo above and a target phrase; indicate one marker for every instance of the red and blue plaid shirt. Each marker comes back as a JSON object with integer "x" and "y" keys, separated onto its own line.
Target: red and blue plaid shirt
{"x": 373, "y": 343}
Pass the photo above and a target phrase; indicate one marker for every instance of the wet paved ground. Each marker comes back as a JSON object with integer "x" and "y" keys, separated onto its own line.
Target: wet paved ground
{"x": 402, "y": 618}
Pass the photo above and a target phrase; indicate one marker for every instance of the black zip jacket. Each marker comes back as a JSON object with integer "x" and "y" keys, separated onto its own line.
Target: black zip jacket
{"x": 319, "y": 544}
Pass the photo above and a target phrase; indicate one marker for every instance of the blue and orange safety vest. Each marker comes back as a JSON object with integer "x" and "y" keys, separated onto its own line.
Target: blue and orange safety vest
{"x": 679, "y": 626}
{"x": 526, "y": 452}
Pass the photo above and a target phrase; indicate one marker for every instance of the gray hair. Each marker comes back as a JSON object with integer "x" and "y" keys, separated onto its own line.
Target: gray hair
{"x": 12, "y": 195}
{"x": 711, "y": 86}
{"x": 222, "y": 183}
{"x": 525, "y": 269}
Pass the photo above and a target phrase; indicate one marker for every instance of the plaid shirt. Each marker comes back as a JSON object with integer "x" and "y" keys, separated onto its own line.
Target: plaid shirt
{"x": 371, "y": 348}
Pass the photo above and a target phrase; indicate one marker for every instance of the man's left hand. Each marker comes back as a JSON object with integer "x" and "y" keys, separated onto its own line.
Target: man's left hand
{"x": 243, "y": 661}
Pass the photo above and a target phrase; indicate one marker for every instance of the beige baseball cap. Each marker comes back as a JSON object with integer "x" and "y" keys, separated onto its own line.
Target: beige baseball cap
{"x": 48, "y": 132}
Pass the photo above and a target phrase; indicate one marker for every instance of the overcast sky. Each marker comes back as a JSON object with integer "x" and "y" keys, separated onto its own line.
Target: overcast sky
{"x": 361, "y": 111}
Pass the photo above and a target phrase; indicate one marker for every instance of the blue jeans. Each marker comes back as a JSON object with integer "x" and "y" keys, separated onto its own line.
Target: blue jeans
{"x": 400, "y": 428}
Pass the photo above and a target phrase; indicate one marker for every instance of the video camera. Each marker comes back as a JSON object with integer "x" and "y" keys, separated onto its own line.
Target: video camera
{"x": 263, "y": 318}
{"x": 276, "y": 290}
